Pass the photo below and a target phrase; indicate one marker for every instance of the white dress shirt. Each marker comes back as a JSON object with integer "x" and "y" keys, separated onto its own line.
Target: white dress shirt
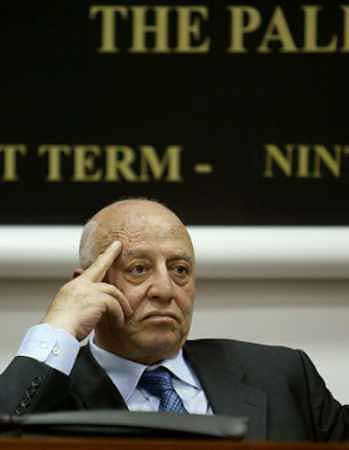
{"x": 59, "y": 349}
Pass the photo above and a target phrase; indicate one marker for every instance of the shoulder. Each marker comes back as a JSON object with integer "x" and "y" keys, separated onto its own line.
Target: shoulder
{"x": 240, "y": 346}
{"x": 250, "y": 355}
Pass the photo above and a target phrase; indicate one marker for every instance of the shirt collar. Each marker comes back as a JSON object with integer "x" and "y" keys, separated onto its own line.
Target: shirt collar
{"x": 126, "y": 374}
{"x": 179, "y": 367}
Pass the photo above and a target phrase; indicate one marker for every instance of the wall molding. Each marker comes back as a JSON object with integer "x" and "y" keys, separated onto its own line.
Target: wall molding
{"x": 48, "y": 252}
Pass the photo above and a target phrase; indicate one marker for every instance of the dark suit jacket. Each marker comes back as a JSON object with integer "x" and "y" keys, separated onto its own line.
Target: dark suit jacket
{"x": 277, "y": 388}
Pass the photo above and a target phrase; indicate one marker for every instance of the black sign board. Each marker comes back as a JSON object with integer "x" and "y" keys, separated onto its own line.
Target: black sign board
{"x": 231, "y": 112}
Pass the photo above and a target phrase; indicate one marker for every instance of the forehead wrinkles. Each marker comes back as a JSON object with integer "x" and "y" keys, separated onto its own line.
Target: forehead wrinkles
{"x": 106, "y": 234}
{"x": 131, "y": 236}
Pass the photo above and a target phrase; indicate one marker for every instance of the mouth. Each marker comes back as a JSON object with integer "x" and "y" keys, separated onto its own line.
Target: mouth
{"x": 160, "y": 316}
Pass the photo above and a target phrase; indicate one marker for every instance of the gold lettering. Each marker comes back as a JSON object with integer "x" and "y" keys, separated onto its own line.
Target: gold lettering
{"x": 303, "y": 161}
{"x": 311, "y": 34}
{"x": 345, "y": 47}
{"x": 85, "y": 162}
{"x": 141, "y": 29}
{"x": 10, "y": 152}
{"x": 332, "y": 162}
{"x": 278, "y": 31}
{"x": 275, "y": 156}
{"x": 54, "y": 153}
{"x": 151, "y": 161}
{"x": 239, "y": 26}
{"x": 108, "y": 32}
{"x": 118, "y": 160}
{"x": 190, "y": 19}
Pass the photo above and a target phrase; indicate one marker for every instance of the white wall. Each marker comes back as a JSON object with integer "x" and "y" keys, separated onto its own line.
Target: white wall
{"x": 312, "y": 315}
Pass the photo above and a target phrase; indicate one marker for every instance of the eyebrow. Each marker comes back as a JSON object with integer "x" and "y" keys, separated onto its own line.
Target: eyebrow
{"x": 140, "y": 253}
{"x": 184, "y": 256}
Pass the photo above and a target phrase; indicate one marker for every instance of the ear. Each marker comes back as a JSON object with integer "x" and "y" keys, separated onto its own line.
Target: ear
{"x": 77, "y": 272}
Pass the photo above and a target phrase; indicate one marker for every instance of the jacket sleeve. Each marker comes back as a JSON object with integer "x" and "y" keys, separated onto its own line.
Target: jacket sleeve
{"x": 28, "y": 386}
{"x": 330, "y": 419}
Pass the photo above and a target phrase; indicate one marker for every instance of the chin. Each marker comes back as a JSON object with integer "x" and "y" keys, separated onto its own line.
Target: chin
{"x": 161, "y": 346}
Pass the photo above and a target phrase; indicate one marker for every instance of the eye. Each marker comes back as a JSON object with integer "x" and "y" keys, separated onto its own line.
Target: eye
{"x": 181, "y": 270}
{"x": 137, "y": 269}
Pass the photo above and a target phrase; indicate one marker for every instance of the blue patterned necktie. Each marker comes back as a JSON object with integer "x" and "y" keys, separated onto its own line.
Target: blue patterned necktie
{"x": 158, "y": 382}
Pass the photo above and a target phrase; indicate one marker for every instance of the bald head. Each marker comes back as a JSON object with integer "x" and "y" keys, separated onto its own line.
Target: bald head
{"x": 128, "y": 221}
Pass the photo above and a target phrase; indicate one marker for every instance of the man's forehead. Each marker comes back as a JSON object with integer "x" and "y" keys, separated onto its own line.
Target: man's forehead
{"x": 145, "y": 234}
{"x": 172, "y": 240}
{"x": 133, "y": 232}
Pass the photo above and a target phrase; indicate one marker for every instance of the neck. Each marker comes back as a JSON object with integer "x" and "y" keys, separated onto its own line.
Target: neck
{"x": 144, "y": 356}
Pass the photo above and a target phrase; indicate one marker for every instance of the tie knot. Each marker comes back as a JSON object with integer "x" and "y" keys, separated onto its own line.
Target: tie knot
{"x": 157, "y": 381}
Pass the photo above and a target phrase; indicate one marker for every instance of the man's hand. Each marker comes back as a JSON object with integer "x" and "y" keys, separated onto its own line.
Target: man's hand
{"x": 80, "y": 304}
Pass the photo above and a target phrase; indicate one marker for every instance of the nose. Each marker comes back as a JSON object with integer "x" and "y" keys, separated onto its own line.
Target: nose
{"x": 161, "y": 287}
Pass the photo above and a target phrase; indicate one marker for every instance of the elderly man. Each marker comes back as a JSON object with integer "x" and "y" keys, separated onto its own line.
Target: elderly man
{"x": 135, "y": 292}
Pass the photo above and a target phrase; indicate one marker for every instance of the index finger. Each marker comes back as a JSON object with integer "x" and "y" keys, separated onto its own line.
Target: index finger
{"x": 98, "y": 269}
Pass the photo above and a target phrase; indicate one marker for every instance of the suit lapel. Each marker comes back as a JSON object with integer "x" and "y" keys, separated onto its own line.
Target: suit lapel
{"x": 224, "y": 385}
{"x": 222, "y": 378}
{"x": 91, "y": 386}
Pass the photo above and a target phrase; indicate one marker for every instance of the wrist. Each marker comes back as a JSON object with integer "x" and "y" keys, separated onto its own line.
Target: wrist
{"x": 63, "y": 324}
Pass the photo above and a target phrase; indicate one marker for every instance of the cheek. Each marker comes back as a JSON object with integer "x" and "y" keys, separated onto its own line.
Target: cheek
{"x": 133, "y": 293}
{"x": 185, "y": 300}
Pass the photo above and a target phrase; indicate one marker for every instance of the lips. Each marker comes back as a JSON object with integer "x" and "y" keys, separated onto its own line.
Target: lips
{"x": 161, "y": 314}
